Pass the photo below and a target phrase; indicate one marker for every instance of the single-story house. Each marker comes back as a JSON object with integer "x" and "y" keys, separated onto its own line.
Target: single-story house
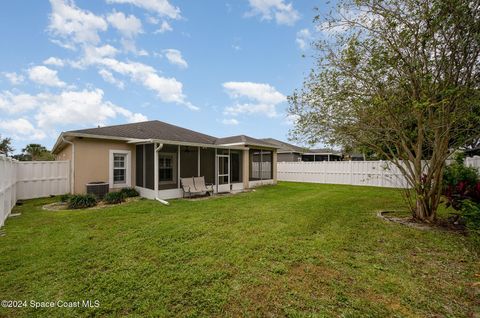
{"x": 291, "y": 153}
{"x": 322, "y": 154}
{"x": 152, "y": 156}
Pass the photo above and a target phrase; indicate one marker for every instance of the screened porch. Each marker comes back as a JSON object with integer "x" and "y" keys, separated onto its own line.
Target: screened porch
{"x": 159, "y": 168}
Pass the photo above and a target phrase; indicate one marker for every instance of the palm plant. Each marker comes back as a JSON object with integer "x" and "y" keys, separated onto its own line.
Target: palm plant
{"x": 35, "y": 151}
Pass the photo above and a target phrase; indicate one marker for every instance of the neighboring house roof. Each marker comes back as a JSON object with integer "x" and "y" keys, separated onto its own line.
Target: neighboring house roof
{"x": 323, "y": 151}
{"x": 243, "y": 140}
{"x": 156, "y": 130}
{"x": 284, "y": 147}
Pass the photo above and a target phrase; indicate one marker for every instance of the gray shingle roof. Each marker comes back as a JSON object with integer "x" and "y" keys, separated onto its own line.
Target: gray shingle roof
{"x": 154, "y": 129}
{"x": 243, "y": 139}
{"x": 284, "y": 146}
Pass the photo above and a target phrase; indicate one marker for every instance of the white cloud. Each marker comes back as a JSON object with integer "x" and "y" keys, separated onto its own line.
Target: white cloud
{"x": 230, "y": 122}
{"x": 74, "y": 25}
{"x": 253, "y": 98}
{"x": 130, "y": 46}
{"x": 108, "y": 77}
{"x": 164, "y": 27}
{"x": 14, "y": 78}
{"x": 16, "y": 103}
{"x": 153, "y": 20}
{"x": 161, "y": 7}
{"x": 175, "y": 57}
{"x": 54, "y": 61}
{"x": 303, "y": 38}
{"x": 282, "y": 12}
{"x": 79, "y": 108}
{"x": 130, "y": 26}
{"x": 168, "y": 89}
{"x": 21, "y": 129}
{"x": 45, "y": 76}
{"x": 131, "y": 117}
{"x": 92, "y": 55}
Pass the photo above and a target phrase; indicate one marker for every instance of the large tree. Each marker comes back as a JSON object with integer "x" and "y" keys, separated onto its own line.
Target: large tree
{"x": 399, "y": 77}
{"x": 5, "y": 146}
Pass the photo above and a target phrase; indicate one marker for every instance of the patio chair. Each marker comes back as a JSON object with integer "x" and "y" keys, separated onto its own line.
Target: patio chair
{"x": 188, "y": 186}
{"x": 201, "y": 186}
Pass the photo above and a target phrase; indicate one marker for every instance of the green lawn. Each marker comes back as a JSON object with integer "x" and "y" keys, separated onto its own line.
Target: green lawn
{"x": 297, "y": 250}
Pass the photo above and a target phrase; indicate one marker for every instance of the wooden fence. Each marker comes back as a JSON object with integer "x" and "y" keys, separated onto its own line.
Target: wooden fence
{"x": 30, "y": 179}
{"x": 368, "y": 173}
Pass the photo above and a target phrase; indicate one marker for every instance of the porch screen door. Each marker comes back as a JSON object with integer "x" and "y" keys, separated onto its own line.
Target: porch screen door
{"x": 223, "y": 173}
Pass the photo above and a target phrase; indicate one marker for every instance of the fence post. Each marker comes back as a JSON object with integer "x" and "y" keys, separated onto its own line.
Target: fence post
{"x": 382, "y": 173}
{"x": 351, "y": 172}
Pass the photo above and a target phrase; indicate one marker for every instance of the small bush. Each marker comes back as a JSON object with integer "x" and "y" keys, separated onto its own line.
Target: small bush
{"x": 129, "y": 192}
{"x": 82, "y": 201}
{"x": 460, "y": 183}
{"x": 471, "y": 215}
{"x": 114, "y": 197}
{"x": 462, "y": 190}
{"x": 65, "y": 197}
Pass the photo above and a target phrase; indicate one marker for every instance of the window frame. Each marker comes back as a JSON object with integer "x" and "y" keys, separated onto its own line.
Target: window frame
{"x": 260, "y": 152}
{"x": 127, "y": 167}
{"x": 173, "y": 157}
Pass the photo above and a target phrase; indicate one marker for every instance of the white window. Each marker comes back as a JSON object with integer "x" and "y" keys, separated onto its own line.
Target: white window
{"x": 119, "y": 168}
{"x": 167, "y": 168}
{"x": 119, "y": 175}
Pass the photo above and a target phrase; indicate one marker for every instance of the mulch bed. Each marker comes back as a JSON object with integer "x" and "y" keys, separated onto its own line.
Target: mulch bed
{"x": 63, "y": 206}
{"x": 449, "y": 224}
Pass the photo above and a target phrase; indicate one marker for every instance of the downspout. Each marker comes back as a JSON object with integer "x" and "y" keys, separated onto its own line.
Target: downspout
{"x": 155, "y": 173}
{"x": 72, "y": 165}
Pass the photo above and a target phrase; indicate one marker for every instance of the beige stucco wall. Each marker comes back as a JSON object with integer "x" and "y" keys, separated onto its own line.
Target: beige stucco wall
{"x": 65, "y": 153}
{"x": 92, "y": 160}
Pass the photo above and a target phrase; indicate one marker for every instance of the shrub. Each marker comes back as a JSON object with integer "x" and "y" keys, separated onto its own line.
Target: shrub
{"x": 114, "y": 197}
{"x": 462, "y": 190}
{"x": 460, "y": 183}
{"x": 471, "y": 214}
{"x": 65, "y": 197}
{"x": 82, "y": 201}
{"x": 129, "y": 192}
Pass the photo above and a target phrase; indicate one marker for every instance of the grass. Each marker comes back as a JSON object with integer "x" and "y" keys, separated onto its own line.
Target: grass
{"x": 297, "y": 250}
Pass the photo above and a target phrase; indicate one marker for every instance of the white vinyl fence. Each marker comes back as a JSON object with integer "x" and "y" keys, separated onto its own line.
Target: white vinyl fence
{"x": 368, "y": 173}
{"x": 8, "y": 181}
{"x": 473, "y": 162}
{"x": 30, "y": 179}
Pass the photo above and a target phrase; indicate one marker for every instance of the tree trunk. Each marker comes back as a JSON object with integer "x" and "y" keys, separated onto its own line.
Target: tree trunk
{"x": 426, "y": 207}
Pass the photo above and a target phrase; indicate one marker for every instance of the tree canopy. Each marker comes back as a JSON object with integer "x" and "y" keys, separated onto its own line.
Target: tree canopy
{"x": 399, "y": 77}
{"x": 5, "y": 146}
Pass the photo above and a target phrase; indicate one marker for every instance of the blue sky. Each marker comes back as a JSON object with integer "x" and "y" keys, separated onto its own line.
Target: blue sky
{"x": 218, "y": 67}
